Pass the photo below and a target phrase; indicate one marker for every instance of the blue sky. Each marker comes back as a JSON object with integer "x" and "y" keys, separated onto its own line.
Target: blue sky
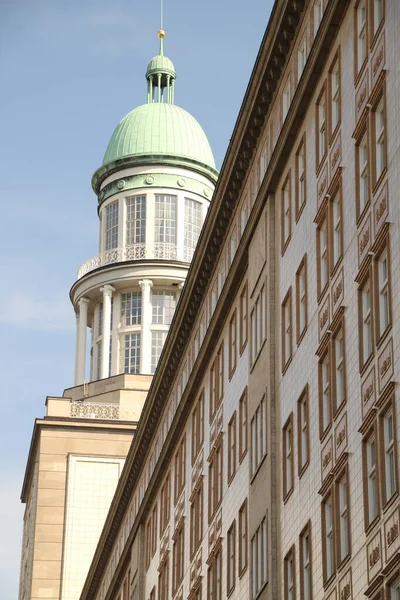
{"x": 70, "y": 70}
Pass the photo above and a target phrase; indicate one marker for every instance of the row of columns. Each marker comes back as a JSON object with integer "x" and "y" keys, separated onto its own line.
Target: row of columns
{"x": 81, "y": 334}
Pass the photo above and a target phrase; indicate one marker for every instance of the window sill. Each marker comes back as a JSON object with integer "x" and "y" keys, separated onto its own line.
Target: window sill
{"x": 360, "y": 72}
{"x": 288, "y": 495}
{"x": 334, "y": 132}
{"x": 243, "y": 571}
{"x": 301, "y": 336}
{"x": 303, "y": 469}
{"x": 376, "y": 185}
{"x": 242, "y": 456}
{"x": 257, "y": 356}
{"x": 383, "y": 337}
{"x": 377, "y": 33}
{"x": 252, "y": 478}
{"x": 364, "y": 366}
{"x": 229, "y": 592}
{"x": 344, "y": 562}
{"x": 231, "y": 372}
{"x": 286, "y": 365}
{"x": 392, "y": 500}
{"x": 319, "y": 166}
{"x": 372, "y": 525}
{"x": 362, "y": 214}
{"x": 336, "y": 266}
{"x": 231, "y": 478}
{"x": 242, "y": 347}
{"x": 300, "y": 212}
{"x": 260, "y": 591}
{"x": 285, "y": 245}
{"x": 324, "y": 434}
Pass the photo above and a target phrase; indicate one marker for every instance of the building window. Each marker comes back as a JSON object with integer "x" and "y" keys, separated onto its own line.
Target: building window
{"x": 132, "y": 353}
{"x": 112, "y": 226}
{"x": 215, "y": 481}
{"x": 303, "y": 431}
{"x": 328, "y": 545}
{"x": 131, "y": 309}
{"x": 383, "y": 292}
{"x": 180, "y": 469}
{"x": 217, "y": 381}
{"x": 287, "y": 453}
{"x": 258, "y": 325}
{"x": 165, "y": 224}
{"x": 214, "y": 577}
{"x": 300, "y": 191}
{"x": 136, "y": 221}
{"x": 365, "y": 322}
{"x": 232, "y": 245}
{"x": 196, "y": 519}
{"x": 334, "y": 89}
{"x": 289, "y": 570}
{"x": 259, "y": 558}
{"x": 339, "y": 371}
{"x": 163, "y": 307}
{"x": 343, "y": 519}
{"x": 231, "y": 536}
{"x": 305, "y": 563}
{"x": 336, "y": 229}
{"x": 243, "y": 425}
{"x": 178, "y": 553}
{"x": 324, "y": 378}
{"x": 301, "y": 56}
{"x": 378, "y": 116}
{"x": 318, "y": 12}
{"x": 286, "y": 99}
{"x": 232, "y": 447}
{"x": 287, "y": 329}
{"x": 377, "y": 14}
{"x": 362, "y": 192}
{"x": 243, "y": 309}
{"x": 163, "y": 576}
{"x": 371, "y": 479}
{"x": 394, "y": 590}
{"x": 321, "y": 128}
{"x": 322, "y": 256}
{"x": 151, "y": 536}
{"x": 232, "y": 345}
{"x": 258, "y": 430}
{"x": 243, "y": 538}
{"x": 301, "y": 299}
{"x": 157, "y": 343}
{"x": 192, "y": 226}
{"x": 361, "y": 35}
{"x": 165, "y": 504}
{"x": 198, "y": 427}
{"x": 389, "y": 486}
{"x": 286, "y": 214}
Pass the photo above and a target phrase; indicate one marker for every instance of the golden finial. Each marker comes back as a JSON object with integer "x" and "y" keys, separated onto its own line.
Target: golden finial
{"x": 161, "y": 34}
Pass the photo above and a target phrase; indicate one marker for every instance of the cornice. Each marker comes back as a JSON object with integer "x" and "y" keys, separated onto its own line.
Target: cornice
{"x": 256, "y": 106}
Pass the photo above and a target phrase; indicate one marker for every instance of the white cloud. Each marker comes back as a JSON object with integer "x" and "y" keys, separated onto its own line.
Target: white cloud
{"x": 11, "y": 519}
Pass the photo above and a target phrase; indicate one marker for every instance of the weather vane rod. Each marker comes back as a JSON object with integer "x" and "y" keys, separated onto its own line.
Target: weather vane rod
{"x": 161, "y": 33}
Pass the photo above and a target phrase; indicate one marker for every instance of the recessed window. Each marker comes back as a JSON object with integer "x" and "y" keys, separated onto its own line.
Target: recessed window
{"x": 321, "y": 127}
{"x": 232, "y": 448}
{"x": 301, "y": 57}
{"x": 289, "y": 570}
{"x": 328, "y": 538}
{"x": 303, "y": 431}
{"x": 178, "y": 555}
{"x": 365, "y": 321}
{"x": 301, "y": 299}
{"x": 112, "y": 226}
{"x": 380, "y": 136}
{"x": 343, "y": 517}
{"x": 259, "y": 559}
{"x": 136, "y": 222}
{"x": 361, "y": 35}
{"x": 214, "y": 577}
{"x": 318, "y": 12}
{"x": 286, "y": 99}
{"x": 131, "y": 309}
{"x": 362, "y": 168}
{"x": 243, "y": 538}
{"x": 258, "y": 325}
{"x": 389, "y": 461}
{"x": 163, "y": 580}
{"x": 198, "y": 427}
{"x": 196, "y": 519}
{"x": 339, "y": 395}
{"x": 165, "y": 503}
{"x": 287, "y": 329}
{"x": 305, "y": 564}
{"x": 377, "y": 14}
{"x": 243, "y": 310}
{"x": 258, "y": 430}
{"x": 371, "y": 487}
{"x": 322, "y": 248}
{"x": 300, "y": 179}
{"x": 192, "y": 227}
{"x": 231, "y": 543}
{"x": 217, "y": 381}
{"x": 165, "y": 226}
{"x": 157, "y": 343}
{"x": 287, "y": 452}
{"x": 383, "y": 292}
{"x": 243, "y": 425}
{"x": 286, "y": 214}
{"x": 180, "y": 468}
{"x": 324, "y": 393}
{"x": 232, "y": 344}
{"x": 215, "y": 481}
{"x": 132, "y": 353}
{"x": 334, "y": 88}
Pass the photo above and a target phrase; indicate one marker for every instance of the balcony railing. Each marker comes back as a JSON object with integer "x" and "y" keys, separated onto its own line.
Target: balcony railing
{"x": 110, "y": 412}
{"x": 140, "y": 251}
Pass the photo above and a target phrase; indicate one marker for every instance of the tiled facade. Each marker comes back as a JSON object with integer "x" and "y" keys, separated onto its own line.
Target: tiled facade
{"x": 265, "y": 463}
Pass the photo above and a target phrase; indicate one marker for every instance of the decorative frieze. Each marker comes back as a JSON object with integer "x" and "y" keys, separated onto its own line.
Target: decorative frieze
{"x": 179, "y": 509}
{"x": 341, "y": 436}
{"x": 337, "y": 292}
{"x": 362, "y": 95}
{"x": 214, "y": 533}
{"x": 381, "y": 209}
{"x": 364, "y": 240}
{"x": 216, "y": 428}
{"x": 322, "y": 186}
{"x": 164, "y": 545}
{"x": 385, "y": 366}
{"x": 368, "y": 392}
{"x": 335, "y": 155}
{"x": 197, "y": 470}
{"x": 195, "y": 571}
{"x": 374, "y": 556}
{"x": 346, "y": 587}
{"x": 392, "y": 535}
{"x": 327, "y": 458}
{"x": 378, "y": 59}
{"x": 323, "y": 319}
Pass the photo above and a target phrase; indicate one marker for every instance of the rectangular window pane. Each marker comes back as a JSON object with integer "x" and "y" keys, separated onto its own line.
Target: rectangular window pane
{"x": 163, "y": 307}
{"x": 136, "y": 220}
{"x": 192, "y": 226}
{"x": 131, "y": 308}
{"x": 165, "y": 221}
{"x": 157, "y": 343}
{"x": 112, "y": 226}
{"x": 132, "y": 353}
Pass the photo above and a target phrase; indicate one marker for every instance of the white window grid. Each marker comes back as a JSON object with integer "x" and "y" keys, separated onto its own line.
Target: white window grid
{"x": 165, "y": 219}
{"x": 112, "y": 226}
{"x": 192, "y": 225}
{"x": 361, "y": 34}
{"x": 163, "y": 306}
{"x": 132, "y": 353}
{"x": 131, "y": 308}
{"x": 135, "y": 220}
{"x": 157, "y": 343}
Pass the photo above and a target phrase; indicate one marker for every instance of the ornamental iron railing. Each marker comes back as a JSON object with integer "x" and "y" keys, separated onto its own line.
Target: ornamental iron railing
{"x": 140, "y": 251}
{"x": 110, "y": 412}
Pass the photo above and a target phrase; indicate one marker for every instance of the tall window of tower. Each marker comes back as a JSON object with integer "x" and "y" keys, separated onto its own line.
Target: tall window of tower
{"x": 131, "y": 308}
{"x": 112, "y": 226}
{"x": 192, "y": 226}
{"x": 135, "y": 220}
{"x": 165, "y": 222}
{"x": 157, "y": 342}
{"x": 132, "y": 353}
{"x": 164, "y": 304}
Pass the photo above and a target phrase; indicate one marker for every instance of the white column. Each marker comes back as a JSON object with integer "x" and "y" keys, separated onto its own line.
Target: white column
{"x": 105, "y": 344}
{"x": 145, "y": 346}
{"x": 115, "y": 335}
{"x": 81, "y": 341}
{"x": 76, "y": 348}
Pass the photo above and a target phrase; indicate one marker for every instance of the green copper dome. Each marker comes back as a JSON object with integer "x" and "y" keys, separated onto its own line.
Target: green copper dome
{"x": 160, "y": 64}
{"x": 157, "y": 130}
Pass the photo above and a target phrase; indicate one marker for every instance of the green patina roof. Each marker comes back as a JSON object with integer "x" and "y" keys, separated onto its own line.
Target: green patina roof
{"x": 159, "y": 129}
{"x": 160, "y": 64}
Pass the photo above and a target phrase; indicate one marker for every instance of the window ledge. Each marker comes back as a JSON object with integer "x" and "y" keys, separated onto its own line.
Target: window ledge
{"x": 252, "y": 478}
{"x": 391, "y": 502}
{"x": 383, "y": 336}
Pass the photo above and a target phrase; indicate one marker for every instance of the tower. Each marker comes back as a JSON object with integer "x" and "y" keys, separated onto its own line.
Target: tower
{"x": 153, "y": 187}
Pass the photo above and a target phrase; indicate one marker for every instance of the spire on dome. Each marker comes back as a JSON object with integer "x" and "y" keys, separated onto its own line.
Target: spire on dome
{"x": 160, "y": 75}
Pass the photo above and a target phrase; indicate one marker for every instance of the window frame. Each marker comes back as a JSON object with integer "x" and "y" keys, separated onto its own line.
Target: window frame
{"x": 232, "y": 448}
{"x": 364, "y": 134}
{"x": 289, "y": 594}
{"x": 299, "y": 202}
{"x": 258, "y": 437}
{"x": 178, "y": 557}
{"x": 243, "y": 533}
{"x": 243, "y": 318}
{"x": 383, "y": 250}
{"x": 323, "y": 229}
{"x": 363, "y": 317}
{"x": 180, "y": 469}
{"x": 232, "y": 343}
{"x": 243, "y": 425}
{"x": 319, "y": 155}
{"x": 343, "y": 476}
{"x": 325, "y": 362}
{"x": 196, "y": 518}
{"x": 215, "y": 480}
{"x": 287, "y": 330}
{"x": 305, "y": 532}
{"x": 165, "y": 503}
{"x": 328, "y": 500}
{"x": 300, "y": 333}
{"x": 288, "y": 458}
{"x": 379, "y": 98}
{"x": 231, "y": 559}
{"x": 371, "y": 435}
{"x": 303, "y": 432}
{"x": 390, "y": 407}
{"x": 358, "y": 65}
{"x": 339, "y": 330}
{"x": 334, "y": 128}
{"x": 286, "y": 212}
